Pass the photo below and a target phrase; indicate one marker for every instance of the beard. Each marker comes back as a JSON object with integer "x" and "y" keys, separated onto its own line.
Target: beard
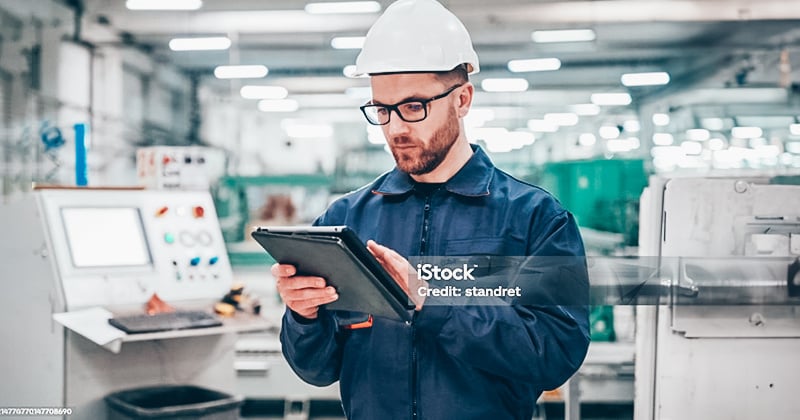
{"x": 422, "y": 159}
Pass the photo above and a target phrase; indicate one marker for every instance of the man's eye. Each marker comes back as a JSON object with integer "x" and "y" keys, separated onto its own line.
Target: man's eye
{"x": 381, "y": 111}
{"x": 413, "y": 107}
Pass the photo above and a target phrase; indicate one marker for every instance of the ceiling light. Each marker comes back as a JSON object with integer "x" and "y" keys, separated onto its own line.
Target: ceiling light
{"x": 263, "y": 92}
{"x": 747, "y": 132}
{"x": 564, "y": 35}
{"x": 163, "y": 4}
{"x": 278, "y": 105}
{"x": 585, "y": 109}
{"x": 715, "y": 124}
{"x": 534, "y": 64}
{"x": 795, "y": 129}
{"x": 542, "y": 126}
{"x": 609, "y": 131}
{"x": 716, "y": 144}
{"x": 691, "y": 147}
{"x": 663, "y": 139}
{"x": 645, "y": 79}
{"x": 661, "y": 119}
{"x": 587, "y": 139}
{"x": 348, "y": 42}
{"x": 793, "y": 147}
{"x": 350, "y": 72}
{"x": 477, "y": 117}
{"x": 240, "y": 72}
{"x": 631, "y": 126}
{"x": 622, "y": 145}
{"x": 564, "y": 119}
{"x": 200, "y": 44}
{"x": 504, "y": 85}
{"x": 343, "y": 7}
{"x": 698, "y": 134}
{"x": 611, "y": 99}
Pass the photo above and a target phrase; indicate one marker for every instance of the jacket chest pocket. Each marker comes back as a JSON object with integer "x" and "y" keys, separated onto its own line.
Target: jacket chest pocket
{"x": 485, "y": 247}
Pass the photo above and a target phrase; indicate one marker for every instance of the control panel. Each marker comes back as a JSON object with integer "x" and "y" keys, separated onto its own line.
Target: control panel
{"x": 119, "y": 247}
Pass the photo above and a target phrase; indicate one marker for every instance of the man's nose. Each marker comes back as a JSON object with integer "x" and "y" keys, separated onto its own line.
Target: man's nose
{"x": 396, "y": 126}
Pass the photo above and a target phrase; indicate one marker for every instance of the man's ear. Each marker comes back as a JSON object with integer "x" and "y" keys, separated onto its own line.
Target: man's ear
{"x": 465, "y": 99}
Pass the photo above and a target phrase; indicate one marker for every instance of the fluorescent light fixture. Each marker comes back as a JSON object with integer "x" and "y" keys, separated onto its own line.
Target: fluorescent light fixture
{"x": 587, "y": 139}
{"x": 200, "y": 44}
{"x": 477, "y": 117}
{"x": 768, "y": 151}
{"x": 278, "y": 105}
{"x": 716, "y": 144}
{"x": 348, "y": 42}
{"x": 663, "y": 139}
{"x": 504, "y": 85}
{"x": 585, "y": 109}
{"x": 795, "y": 129}
{"x": 611, "y": 99}
{"x": 350, "y": 72}
{"x": 343, "y": 7}
{"x": 164, "y": 4}
{"x": 534, "y": 64}
{"x": 542, "y": 126}
{"x": 297, "y": 130}
{"x": 757, "y": 142}
{"x": 622, "y": 145}
{"x": 609, "y": 132}
{"x": 698, "y": 134}
{"x": 563, "y": 35}
{"x": 747, "y": 132}
{"x": 240, "y": 72}
{"x": 645, "y": 79}
{"x": 670, "y": 152}
{"x": 714, "y": 124}
{"x": 631, "y": 126}
{"x": 661, "y": 120}
{"x": 691, "y": 147}
{"x": 793, "y": 147}
{"x": 564, "y": 119}
{"x": 263, "y": 92}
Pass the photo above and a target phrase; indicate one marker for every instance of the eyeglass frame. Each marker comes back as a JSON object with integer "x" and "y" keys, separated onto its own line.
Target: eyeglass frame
{"x": 396, "y": 109}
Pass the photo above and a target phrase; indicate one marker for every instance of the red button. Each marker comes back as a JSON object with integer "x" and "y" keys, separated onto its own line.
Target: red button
{"x": 162, "y": 211}
{"x": 198, "y": 211}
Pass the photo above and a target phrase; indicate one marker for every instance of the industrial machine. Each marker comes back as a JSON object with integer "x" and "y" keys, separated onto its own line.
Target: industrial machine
{"x": 721, "y": 341}
{"x": 75, "y": 257}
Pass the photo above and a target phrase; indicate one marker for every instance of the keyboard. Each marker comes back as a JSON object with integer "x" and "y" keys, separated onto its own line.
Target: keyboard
{"x": 168, "y": 321}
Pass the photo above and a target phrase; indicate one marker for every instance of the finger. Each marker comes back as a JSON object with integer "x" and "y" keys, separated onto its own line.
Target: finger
{"x": 283, "y": 270}
{"x": 302, "y": 282}
{"x": 305, "y": 294}
{"x": 304, "y": 305}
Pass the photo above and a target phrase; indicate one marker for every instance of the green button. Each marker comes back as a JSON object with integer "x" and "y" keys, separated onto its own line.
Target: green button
{"x": 169, "y": 238}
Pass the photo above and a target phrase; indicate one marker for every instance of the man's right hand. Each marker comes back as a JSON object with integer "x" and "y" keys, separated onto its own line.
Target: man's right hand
{"x": 302, "y": 294}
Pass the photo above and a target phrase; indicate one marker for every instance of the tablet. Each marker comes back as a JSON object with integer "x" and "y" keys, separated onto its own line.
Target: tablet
{"x": 336, "y": 254}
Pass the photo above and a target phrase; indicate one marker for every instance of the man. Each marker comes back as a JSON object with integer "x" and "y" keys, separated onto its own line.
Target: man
{"x": 488, "y": 361}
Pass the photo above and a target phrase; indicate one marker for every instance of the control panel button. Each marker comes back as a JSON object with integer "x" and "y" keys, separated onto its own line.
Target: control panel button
{"x": 213, "y": 260}
{"x": 162, "y": 211}
{"x": 198, "y": 211}
{"x": 194, "y": 262}
{"x": 169, "y": 238}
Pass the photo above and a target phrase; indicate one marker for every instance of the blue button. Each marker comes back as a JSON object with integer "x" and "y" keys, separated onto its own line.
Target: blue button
{"x": 213, "y": 260}
{"x": 195, "y": 261}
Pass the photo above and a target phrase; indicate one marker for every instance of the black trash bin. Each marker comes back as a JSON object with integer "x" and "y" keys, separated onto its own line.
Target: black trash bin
{"x": 174, "y": 402}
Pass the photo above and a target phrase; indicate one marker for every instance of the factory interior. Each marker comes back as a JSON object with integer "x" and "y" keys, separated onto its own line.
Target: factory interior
{"x": 142, "y": 142}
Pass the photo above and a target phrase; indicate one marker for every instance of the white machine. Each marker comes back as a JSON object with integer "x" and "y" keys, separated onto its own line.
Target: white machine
{"x": 722, "y": 344}
{"x": 82, "y": 253}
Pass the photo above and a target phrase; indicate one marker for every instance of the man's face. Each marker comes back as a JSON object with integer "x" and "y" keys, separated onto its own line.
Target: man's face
{"x": 419, "y": 147}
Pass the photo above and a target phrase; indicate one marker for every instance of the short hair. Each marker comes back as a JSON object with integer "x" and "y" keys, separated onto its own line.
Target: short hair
{"x": 456, "y": 75}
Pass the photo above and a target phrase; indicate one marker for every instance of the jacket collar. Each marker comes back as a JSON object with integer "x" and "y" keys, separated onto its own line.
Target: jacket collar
{"x": 472, "y": 180}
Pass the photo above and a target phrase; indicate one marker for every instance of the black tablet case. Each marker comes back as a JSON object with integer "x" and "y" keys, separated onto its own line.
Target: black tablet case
{"x": 327, "y": 256}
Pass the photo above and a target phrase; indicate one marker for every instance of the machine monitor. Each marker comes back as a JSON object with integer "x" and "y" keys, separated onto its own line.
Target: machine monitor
{"x": 105, "y": 237}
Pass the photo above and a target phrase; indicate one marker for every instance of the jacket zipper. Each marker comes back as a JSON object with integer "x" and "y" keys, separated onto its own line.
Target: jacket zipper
{"x": 423, "y": 249}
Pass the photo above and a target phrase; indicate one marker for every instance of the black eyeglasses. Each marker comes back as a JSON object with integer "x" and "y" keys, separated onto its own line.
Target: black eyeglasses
{"x": 414, "y": 110}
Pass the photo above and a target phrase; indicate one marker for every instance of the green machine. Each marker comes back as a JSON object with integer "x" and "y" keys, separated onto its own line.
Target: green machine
{"x": 602, "y": 195}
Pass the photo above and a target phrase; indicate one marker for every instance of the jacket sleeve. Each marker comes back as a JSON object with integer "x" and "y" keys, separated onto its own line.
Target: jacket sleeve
{"x": 311, "y": 347}
{"x": 541, "y": 342}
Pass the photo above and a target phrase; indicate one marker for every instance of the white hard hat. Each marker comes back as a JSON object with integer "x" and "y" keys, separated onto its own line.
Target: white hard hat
{"x": 416, "y": 35}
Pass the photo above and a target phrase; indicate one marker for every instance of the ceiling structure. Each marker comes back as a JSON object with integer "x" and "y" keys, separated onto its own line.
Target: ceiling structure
{"x": 708, "y": 44}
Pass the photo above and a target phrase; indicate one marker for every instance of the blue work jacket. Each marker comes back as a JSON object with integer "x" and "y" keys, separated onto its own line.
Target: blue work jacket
{"x": 450, "y": 362}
